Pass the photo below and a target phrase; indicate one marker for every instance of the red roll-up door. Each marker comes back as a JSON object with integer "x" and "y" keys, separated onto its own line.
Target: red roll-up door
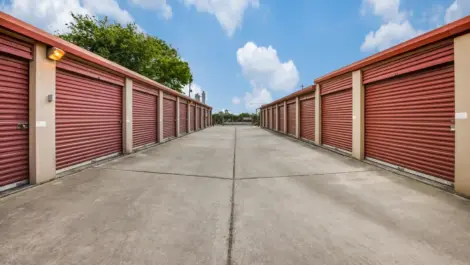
{"x": 183, "y": 117}
{"x": 337, "y": 120}
{"x": 281, "y": 118}
{"x": 88, "y": 118}
{"x": 291, "y": 122}
{"x": 193, "y": 118}
{"x": 336, "y": 103}
{"x": 408, "y": 121}
{"x": 307, "y": 117}
{"x": 169, "y": 118}
{"x": 422, "y": 58}
{"x": 144, "y": 117}
{"x": 14, "y": 117}
{"x": 15, "y": 47}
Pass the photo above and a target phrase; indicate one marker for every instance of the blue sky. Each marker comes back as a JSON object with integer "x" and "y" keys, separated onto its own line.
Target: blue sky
{"x": 244, "y": 53}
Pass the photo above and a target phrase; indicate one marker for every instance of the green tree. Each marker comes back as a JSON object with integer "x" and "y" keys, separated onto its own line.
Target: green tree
{"x": 129, "y": 47}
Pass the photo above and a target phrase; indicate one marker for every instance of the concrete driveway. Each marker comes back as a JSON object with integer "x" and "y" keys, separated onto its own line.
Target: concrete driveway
{"x": 234, "y": 195}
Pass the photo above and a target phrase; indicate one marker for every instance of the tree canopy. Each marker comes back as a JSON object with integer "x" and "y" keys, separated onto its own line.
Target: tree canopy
{"x": 223, "y": 117}
{"x": 129, "y": 47}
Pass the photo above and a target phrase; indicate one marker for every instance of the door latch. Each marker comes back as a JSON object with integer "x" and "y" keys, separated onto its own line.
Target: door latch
{"x": 22, "y": 126}
{"x": 452, "y": 128}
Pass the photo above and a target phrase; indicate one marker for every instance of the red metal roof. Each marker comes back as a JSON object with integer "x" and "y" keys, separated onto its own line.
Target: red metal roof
{"x": 23, "y": 28}
{"x": 453, "y": 29}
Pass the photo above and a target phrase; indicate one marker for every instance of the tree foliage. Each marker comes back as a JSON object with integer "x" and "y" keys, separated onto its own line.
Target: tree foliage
{"x": 129, "y": 47}
{"x": 224, "y": 117}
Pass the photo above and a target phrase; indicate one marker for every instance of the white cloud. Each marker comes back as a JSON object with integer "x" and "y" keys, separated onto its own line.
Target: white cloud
{"x": 395, "y": 28}
{"x": 235, "y": 100}
{"x": 256, "y": 98}
{"x": 52, "y": 15}
{"x": 196, "y": 89}
{"x": 458, "y": 9}
{"x": 262, "y": 67}
{"x": 160, "y": 5}
{"x": 389, "y": 10}
{"x": 109, "y": 8}
{"x": 388, "y": 35}
{"x": 229, "y": 13}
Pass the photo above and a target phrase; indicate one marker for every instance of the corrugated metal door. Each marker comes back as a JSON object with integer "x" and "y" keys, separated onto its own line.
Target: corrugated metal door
{"x": 144, "y": 118}
{"x": 336, "y": 106}
{"x": 88, "y": 119}
{"x": 169, "y": 118}
{"x": 14, "y": 112}
{"x": 408, "y": 122}
{"x": 291, "y": 113}
{"x": 183, "y": 117}
{"x": 193, "y": 118}
{"x": 422, "y": 58}
{"x": 307, "y": 117}
{"x": 281, "y": 118}
{"x": 18, "y": 48}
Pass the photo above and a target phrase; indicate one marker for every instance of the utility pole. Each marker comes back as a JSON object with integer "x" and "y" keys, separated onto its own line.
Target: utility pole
{"x": 190, "y": 90}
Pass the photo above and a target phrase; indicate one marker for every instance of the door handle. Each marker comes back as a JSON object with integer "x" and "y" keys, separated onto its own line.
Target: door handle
{"x": 22, "y": 126}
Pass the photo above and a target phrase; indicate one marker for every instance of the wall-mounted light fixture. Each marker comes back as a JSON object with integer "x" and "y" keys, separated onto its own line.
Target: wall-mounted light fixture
{"x": 55, "y": 54}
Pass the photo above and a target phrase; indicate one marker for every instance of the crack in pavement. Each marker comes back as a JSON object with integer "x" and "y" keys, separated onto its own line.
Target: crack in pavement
{"x": 233, "y": 174}
{"x": 308, "y": 175}
{"x": 164, "y": 173}
{"x": 232, "y": 206}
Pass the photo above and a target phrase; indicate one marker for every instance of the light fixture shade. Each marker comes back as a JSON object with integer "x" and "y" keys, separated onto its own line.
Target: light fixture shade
{"x": 55, "y": 54}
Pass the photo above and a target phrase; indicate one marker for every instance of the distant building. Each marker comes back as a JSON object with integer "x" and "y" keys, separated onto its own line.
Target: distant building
{"x": 204, "y": 97}
{"x": 246, "y": 119}
{"x": 197, "y": 97}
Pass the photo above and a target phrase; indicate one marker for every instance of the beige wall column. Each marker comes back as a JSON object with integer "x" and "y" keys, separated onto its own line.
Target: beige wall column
{"x": 285, "y": 117}
{"x": 177, "y": 116}
{"x": 262, "y": 117}
{"x": 127, "y": 117}
{"x": 297, "y": 117}
{"x": 188, "y": 117}
{"x": 160, "y": 116}
{"x": 358, "y": 116}
{"x": 317, "y": 115}
{"x": 462, "y": 112}
{"x": 277, "y": 118}
{"x": 42, "y": 148}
